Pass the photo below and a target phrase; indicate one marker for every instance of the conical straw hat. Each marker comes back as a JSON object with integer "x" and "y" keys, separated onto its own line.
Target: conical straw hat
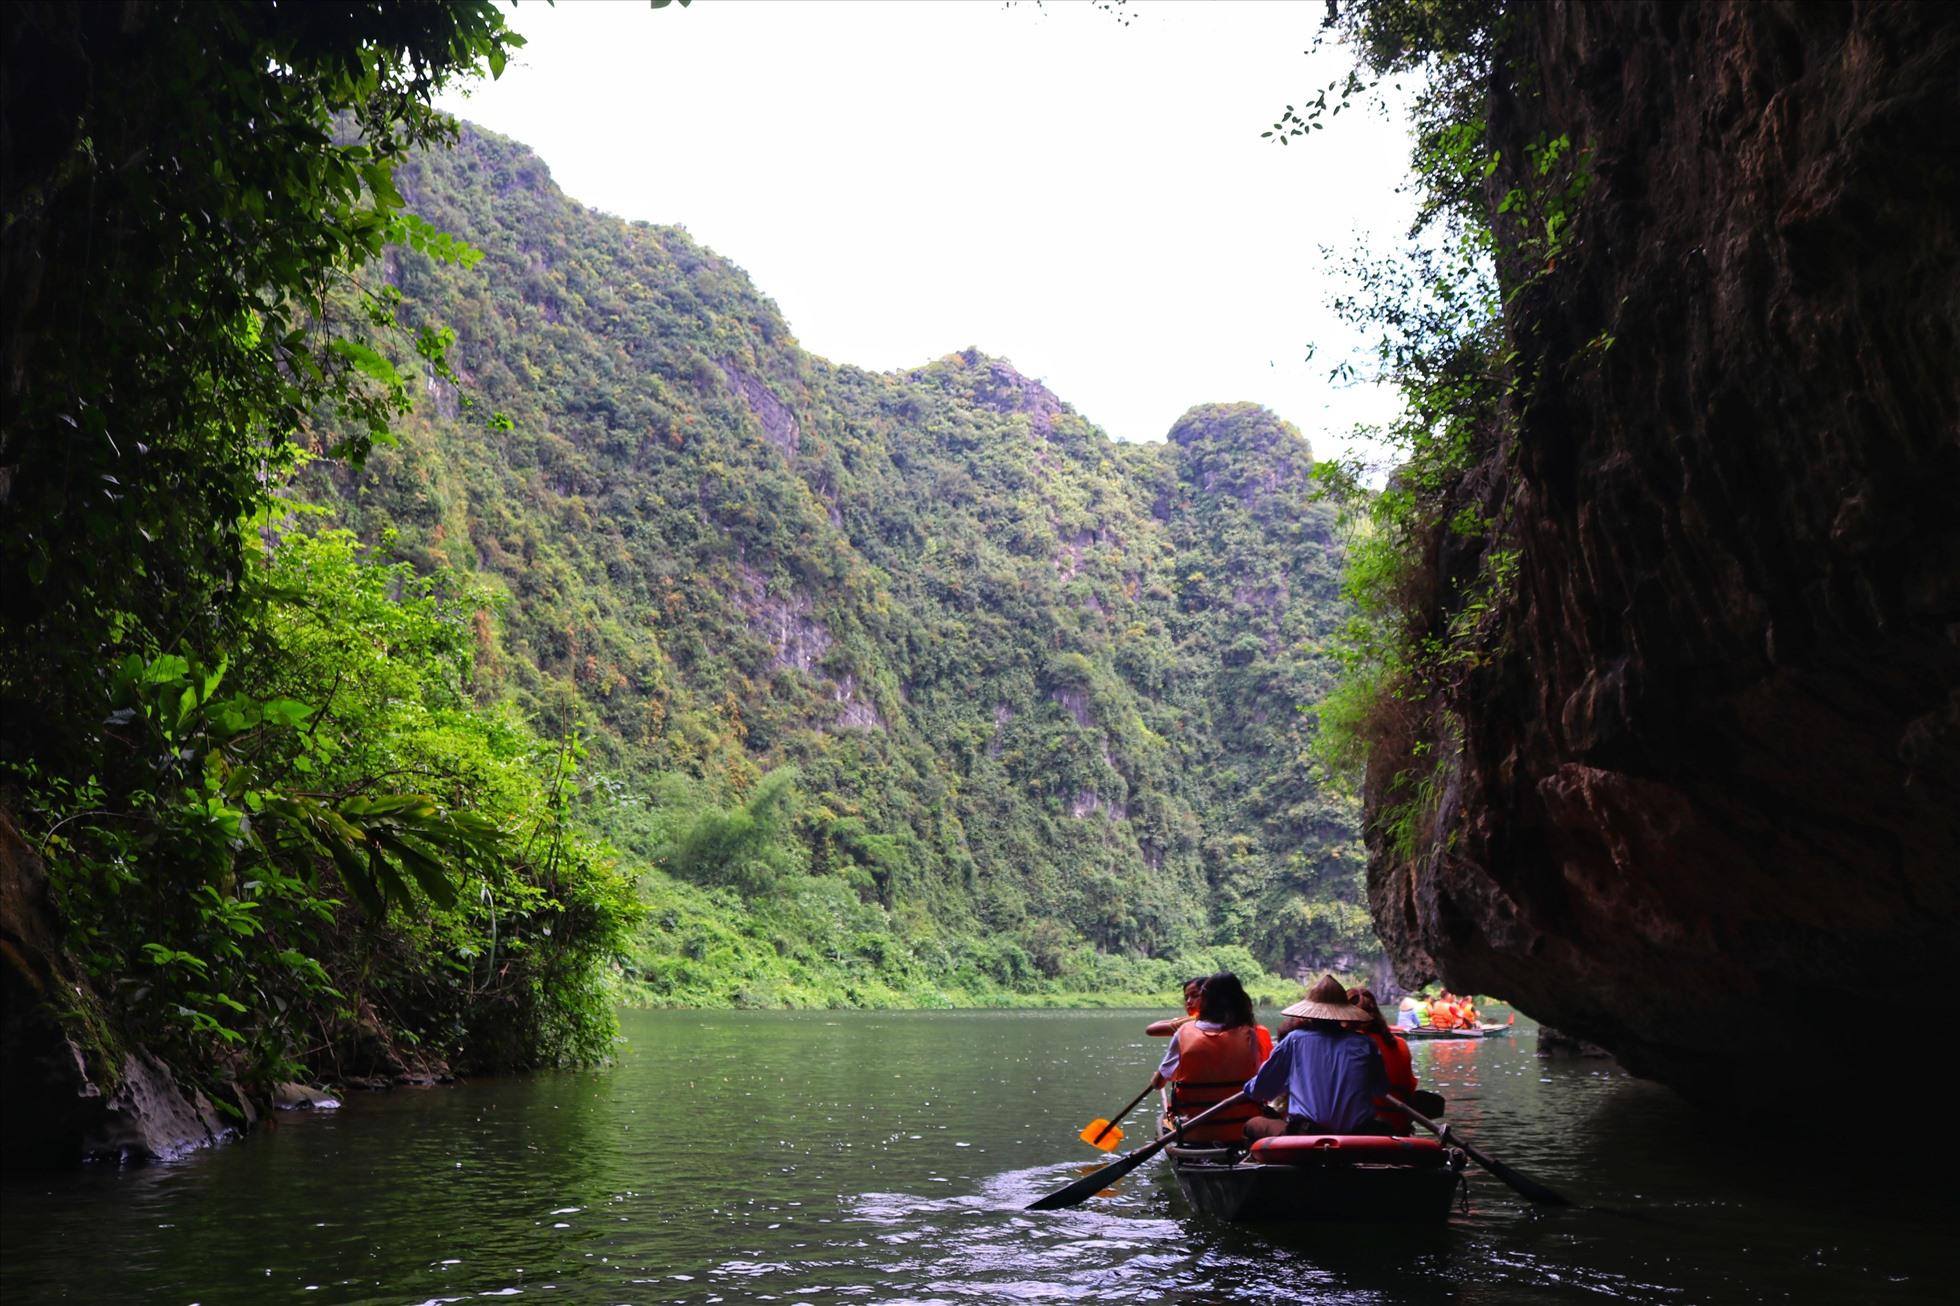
{"x": 1326, "y": 1000}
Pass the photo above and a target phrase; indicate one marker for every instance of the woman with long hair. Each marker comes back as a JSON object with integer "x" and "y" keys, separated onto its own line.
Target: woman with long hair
{"x": 1210, "y": 1058}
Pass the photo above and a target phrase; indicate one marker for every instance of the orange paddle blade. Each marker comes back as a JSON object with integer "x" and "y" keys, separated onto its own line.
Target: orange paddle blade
{"x": 1101, "y": 1134}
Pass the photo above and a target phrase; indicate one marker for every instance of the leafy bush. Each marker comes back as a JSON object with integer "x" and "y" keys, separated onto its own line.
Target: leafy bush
{"x": 320, "y": 856}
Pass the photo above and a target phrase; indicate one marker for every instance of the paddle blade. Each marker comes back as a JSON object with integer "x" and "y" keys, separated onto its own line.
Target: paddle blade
{"x": 1102, "y": 1135}
{"x": 1522, "y": 1184}
{"x": 1092, "y": 1183}
{"x": 1096, "y": 1180}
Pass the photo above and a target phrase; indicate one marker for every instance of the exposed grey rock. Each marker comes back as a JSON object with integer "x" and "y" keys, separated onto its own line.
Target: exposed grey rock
{"x": 151, "y": 1117}
{"x": 300, "y": 1097}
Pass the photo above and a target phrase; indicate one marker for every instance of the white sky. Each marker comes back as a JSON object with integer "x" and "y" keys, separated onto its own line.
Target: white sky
{"x": 1088, "y": 198}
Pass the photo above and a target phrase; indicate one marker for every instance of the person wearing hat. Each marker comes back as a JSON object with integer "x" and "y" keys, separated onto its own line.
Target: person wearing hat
{"x": 1331, "y": 1075}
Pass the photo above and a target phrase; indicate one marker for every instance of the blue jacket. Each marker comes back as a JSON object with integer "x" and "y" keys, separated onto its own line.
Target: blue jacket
{"x": 1332, "y": 1079}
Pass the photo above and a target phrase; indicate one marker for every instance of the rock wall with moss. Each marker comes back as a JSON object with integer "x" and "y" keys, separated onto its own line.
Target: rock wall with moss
{"x": 1706, "y": 762}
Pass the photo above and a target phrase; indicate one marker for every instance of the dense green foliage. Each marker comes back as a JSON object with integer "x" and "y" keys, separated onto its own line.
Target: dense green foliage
{"x": 1431, "y": 565}
{"x": 204, "y": 900}
{"x": 185, "y": 212}
{"x": 279, "y": 831}
{"x": 898, "y": 689}
{"x": 922, "y": 670}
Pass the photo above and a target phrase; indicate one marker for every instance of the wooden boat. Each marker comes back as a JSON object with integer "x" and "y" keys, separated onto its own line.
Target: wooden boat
{"x": 1321, "y": 1177}
{"x": 1495, "y": 1030}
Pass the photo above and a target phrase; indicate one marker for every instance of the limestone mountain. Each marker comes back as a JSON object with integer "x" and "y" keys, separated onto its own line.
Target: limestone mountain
{"x": 1042, "y": 691}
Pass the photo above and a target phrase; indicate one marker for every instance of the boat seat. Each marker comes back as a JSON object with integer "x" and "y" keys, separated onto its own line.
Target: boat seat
{"x": 1347, "y": 1149}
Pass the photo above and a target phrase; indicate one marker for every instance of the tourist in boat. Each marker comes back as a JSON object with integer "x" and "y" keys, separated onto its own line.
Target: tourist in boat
{"x": 1405, "y": 1015}
{"x": 1396, "y": 1062}
{"x": 1211, "y": 1056}
{"x": 1425, "y": 1011}
{"x": 1170, "y": 1024}
{"x": 1330, "y": 1074}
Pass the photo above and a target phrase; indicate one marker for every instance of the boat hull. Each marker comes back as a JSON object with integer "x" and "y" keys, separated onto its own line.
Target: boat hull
{"x": 1482, "y": 1031}
{"x": 1243, "y": 1191}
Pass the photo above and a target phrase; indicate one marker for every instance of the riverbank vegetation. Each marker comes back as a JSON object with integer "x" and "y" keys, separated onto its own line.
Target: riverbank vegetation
{"x": 820, "y": 945}
{"x": 1432, "y": 559}
{"x": 923, "y": 663}
{"x": 443, "y": 611}
{"x": 275, "y": 828}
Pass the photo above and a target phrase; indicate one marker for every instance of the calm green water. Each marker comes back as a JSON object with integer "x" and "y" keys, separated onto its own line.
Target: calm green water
{"x": 818, "y": 1158}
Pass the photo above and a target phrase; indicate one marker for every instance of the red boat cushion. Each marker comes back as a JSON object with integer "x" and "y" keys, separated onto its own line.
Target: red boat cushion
{"x": 1347, "y": 1149}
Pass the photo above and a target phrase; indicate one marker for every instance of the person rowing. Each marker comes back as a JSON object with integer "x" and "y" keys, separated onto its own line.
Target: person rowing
{"x": 1169, "y": 1025}
{"x": 1210, "y": 1057}
{"x": 1331, "y": 1075}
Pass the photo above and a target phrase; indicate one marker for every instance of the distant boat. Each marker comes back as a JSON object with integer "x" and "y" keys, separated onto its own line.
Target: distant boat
{"x": 1495, "y": 1029}
{"x": 1312, "y": 1178}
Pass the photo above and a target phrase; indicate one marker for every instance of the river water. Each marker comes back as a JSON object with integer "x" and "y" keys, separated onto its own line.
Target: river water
{"x": 885, "y": 1157}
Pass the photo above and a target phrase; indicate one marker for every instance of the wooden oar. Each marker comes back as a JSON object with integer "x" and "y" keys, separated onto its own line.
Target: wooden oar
{"x": 1096, "y": 1132}
{"x": 1089, "y": 1185}
{"x": 1522, "y": 1184}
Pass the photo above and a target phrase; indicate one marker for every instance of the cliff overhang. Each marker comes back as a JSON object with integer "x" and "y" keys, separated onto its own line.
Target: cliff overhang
{"x": 1702, "y": 799}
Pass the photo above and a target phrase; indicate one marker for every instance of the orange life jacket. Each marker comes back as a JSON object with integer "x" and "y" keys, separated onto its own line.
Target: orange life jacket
{"x": 1212, "y": 1065}
{"x": 1401, "y": 1078}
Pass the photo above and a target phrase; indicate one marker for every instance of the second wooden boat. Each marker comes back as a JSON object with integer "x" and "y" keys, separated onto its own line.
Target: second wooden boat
{"x": 1481, "y": 1031}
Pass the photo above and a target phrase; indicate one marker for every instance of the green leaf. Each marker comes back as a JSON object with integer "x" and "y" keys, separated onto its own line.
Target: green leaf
{"x": 420, "y": 805}
{"x": 285, "y": 712}
{"x": 166, "y": 669}
{"x": 428, "y": 872}
{"x": 367, "y": 361}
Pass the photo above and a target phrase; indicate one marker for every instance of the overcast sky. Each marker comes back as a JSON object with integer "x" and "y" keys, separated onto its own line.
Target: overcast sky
{"x": 1086, "y": 196}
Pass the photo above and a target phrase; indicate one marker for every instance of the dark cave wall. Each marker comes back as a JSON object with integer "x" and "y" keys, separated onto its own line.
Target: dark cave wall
{"x": 1709, "y": 775}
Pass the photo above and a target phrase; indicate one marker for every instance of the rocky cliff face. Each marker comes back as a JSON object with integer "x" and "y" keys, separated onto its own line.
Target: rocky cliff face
{"x": 1710, "y": 773}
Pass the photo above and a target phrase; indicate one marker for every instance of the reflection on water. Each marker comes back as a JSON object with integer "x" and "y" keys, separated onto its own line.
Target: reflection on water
{"x": 735, "y": 1157}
